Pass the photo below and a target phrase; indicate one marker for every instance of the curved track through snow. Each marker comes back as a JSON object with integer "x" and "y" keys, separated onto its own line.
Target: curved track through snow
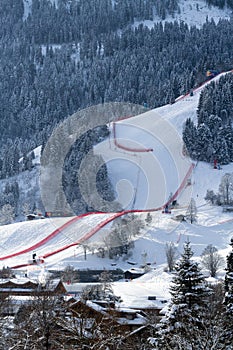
{"x": 67, "y": 236}
{"x": 78, "y": 229}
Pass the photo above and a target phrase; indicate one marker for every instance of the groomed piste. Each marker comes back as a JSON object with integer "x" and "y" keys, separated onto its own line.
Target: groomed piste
{"x": 60, "y": 231}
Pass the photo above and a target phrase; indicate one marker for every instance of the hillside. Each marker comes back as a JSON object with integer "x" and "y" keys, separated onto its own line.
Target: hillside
{"x": 144, "y": 153}
{"x": 212, "y": 227}
{"x": 195, "y": 13}
{"x": 68, "y": 55}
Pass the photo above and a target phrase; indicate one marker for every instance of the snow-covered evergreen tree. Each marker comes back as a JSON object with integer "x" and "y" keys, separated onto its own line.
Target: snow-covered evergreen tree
{"x": 229, "y": 282}
{"x": 203, "y": 143}
{"x": 189, "y": 295}
{"x": 191, "y": 213}
{"x": 190, "y": 137}
{"x": 228, "y": 301}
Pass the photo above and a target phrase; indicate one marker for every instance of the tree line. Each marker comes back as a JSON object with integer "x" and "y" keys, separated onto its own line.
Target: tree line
{"x": 212, "y": 138}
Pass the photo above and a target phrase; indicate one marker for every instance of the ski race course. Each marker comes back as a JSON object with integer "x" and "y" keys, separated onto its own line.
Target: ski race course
{"x": 146, "y": 151}
{"x": 70, "y": 234}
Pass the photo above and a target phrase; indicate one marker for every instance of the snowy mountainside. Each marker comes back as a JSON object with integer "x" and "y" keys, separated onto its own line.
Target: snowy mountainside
{"x": 213, "y": 226}
{"x": 28, "y": 198}
{"x": 194, "y": 13}
{"x": 149, "y": 150}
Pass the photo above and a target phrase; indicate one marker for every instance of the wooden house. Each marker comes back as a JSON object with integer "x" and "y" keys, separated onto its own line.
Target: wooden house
{"x": 26, "y": 287}
{"x": 134, "y": 273}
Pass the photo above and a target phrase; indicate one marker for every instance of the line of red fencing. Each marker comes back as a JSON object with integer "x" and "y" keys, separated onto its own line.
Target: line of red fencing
{"x": 46, "y": 239}
{"x": 225, "y": 221}
{"x": 125, "y": 148}
{"x": 125, "y": 212}
{"x": 199, "y": 86}
{"x": 85, "y": 237}
{"x": 104, "y": 222}
{"x": 182, "y": 185}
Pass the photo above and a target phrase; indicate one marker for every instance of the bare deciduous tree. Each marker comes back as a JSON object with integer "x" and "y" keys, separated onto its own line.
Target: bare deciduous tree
{"x": 70, "y": 275}
{"x": 7, "y": 214}
{"x": 226, "y": 189}
{"x": 6, "y": 307}
{"x": 36, "y": 323}
{"x": 212, "y": 260}
{"x": 171, "y": 255}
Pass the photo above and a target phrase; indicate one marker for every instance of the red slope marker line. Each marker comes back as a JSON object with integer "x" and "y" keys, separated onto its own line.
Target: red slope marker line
{"x": 46, "y": 239}
{"x": 88, "y": 235}
{"x": 117, "y": 144}
{"x": 124, "y": 212}
{"x": 113, "y": 217}
{"x": 182, "y": 185}
{"x": 199, "y": 86}
{"x": 225, "y": 221}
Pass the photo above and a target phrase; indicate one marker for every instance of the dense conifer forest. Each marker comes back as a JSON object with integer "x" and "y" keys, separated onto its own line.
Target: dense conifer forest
{"x": 211, "y": 139}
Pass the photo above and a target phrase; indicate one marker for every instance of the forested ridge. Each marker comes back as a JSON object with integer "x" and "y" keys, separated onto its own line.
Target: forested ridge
{"x": 211, "y": 140}
{"x": 60, "y": 58}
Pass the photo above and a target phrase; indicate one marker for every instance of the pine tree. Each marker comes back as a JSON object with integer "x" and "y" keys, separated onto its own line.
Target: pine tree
{"x": 227, "y": 134}
{"x": 189, "y": 295}
{"x": 204, "y": 138}
{"x": 229, "y": 283}
{"x": 191, "y": 214}
{"x": 228, "y": 338}
{"x": 221, "y": 150}
{"x": 190, "y": 137}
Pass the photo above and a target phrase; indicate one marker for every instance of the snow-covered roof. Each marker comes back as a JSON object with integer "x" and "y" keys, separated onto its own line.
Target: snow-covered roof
{"x": 136, "y": 270}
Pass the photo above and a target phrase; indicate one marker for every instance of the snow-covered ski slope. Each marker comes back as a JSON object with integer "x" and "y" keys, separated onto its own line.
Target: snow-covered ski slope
{"x": 149, "y": 165}
{"x": 146, "y": 171}
{"x": 47, "y": 237}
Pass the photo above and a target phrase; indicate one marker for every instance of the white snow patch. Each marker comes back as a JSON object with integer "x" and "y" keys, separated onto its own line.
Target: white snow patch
{"x": 194, "y": 13}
